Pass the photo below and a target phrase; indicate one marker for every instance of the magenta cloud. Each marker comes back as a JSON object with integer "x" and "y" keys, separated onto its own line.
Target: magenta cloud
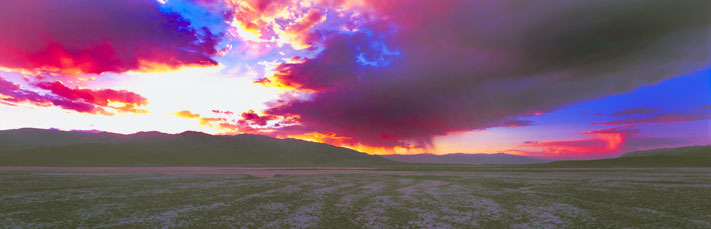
{"x": 79, "y": 100}
{"x": 85, "y": 36}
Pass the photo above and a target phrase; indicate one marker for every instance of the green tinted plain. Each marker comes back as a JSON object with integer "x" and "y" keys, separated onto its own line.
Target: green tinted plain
{"x": 487, "y": 197}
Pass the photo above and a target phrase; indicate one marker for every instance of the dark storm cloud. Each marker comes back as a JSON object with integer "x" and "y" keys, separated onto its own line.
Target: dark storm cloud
{"x": 468, "y": 65}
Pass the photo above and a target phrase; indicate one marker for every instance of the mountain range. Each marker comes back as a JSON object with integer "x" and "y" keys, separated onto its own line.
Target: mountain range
{"x": 73, "y": 148}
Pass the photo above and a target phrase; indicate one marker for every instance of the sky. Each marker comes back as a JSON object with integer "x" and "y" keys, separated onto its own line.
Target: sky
{"x": 549, "y": 79}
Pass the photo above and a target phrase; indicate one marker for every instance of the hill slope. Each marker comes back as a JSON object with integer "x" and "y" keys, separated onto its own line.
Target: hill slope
{"x": 691, "y": 156}
{"x": 462, "y": 158}
{"x": 689, "y": 151}
{"x": 26, "y": 138}
{"x": 62, "y": 148}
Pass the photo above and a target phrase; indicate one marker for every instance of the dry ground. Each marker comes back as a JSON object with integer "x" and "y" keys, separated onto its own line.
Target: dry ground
{"x": 508, "y": 198}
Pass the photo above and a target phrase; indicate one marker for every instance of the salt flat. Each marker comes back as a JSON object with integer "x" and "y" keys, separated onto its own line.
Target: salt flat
{"x": 354, "y": 198}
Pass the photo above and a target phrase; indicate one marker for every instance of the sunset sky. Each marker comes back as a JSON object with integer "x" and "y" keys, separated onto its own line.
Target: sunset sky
{"x": 551, "y": 79}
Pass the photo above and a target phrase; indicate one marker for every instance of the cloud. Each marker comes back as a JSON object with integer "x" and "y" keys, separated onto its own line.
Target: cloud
{"x": 85, "y": 36}
{"x": 661, "y": 118}
{"x": 79, "y": 100}
{"x": 634, "y": 111}
{"x": 121, "y": 100}
{"x": 334, "y": 66}
{"x": 606, "y": 143}
{"x": 222, "y": 112}
{"x": 249, "y": 122}
{"x": 276, "y": 21}
{"x": 255, "y": 119}
{"x": 203, "y": 121}
{"x": 465, "y": 65}
{"x": 298, "y": 33}
{"x": 187, "y": 114}
{"x": 626, "y": 130}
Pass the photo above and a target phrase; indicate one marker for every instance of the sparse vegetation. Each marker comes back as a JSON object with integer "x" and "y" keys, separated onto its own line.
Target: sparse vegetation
{"x": 488, "y": 197}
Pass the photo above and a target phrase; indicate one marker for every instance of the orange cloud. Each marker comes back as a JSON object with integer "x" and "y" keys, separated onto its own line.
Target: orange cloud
{"x": 187, "y": 114}
{"x": 223, "y": 124}
{"x": 203, "y": 121}
{"x": 283, "y": 22}
{"x": 298, "y": 35}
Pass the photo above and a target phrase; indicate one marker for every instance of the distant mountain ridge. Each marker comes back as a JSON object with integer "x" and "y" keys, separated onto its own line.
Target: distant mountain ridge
{"x": 74, "y": 148}
{"x": 463, "y": 158}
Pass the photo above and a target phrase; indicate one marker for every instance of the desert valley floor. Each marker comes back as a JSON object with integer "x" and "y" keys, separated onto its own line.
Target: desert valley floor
{"x": 490, "y": 197}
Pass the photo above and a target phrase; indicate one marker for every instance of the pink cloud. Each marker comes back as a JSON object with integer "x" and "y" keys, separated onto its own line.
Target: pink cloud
{"x": 79, "y": 100}
{"x": 606, "y": 143}
{"x": 128, "y": 101}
